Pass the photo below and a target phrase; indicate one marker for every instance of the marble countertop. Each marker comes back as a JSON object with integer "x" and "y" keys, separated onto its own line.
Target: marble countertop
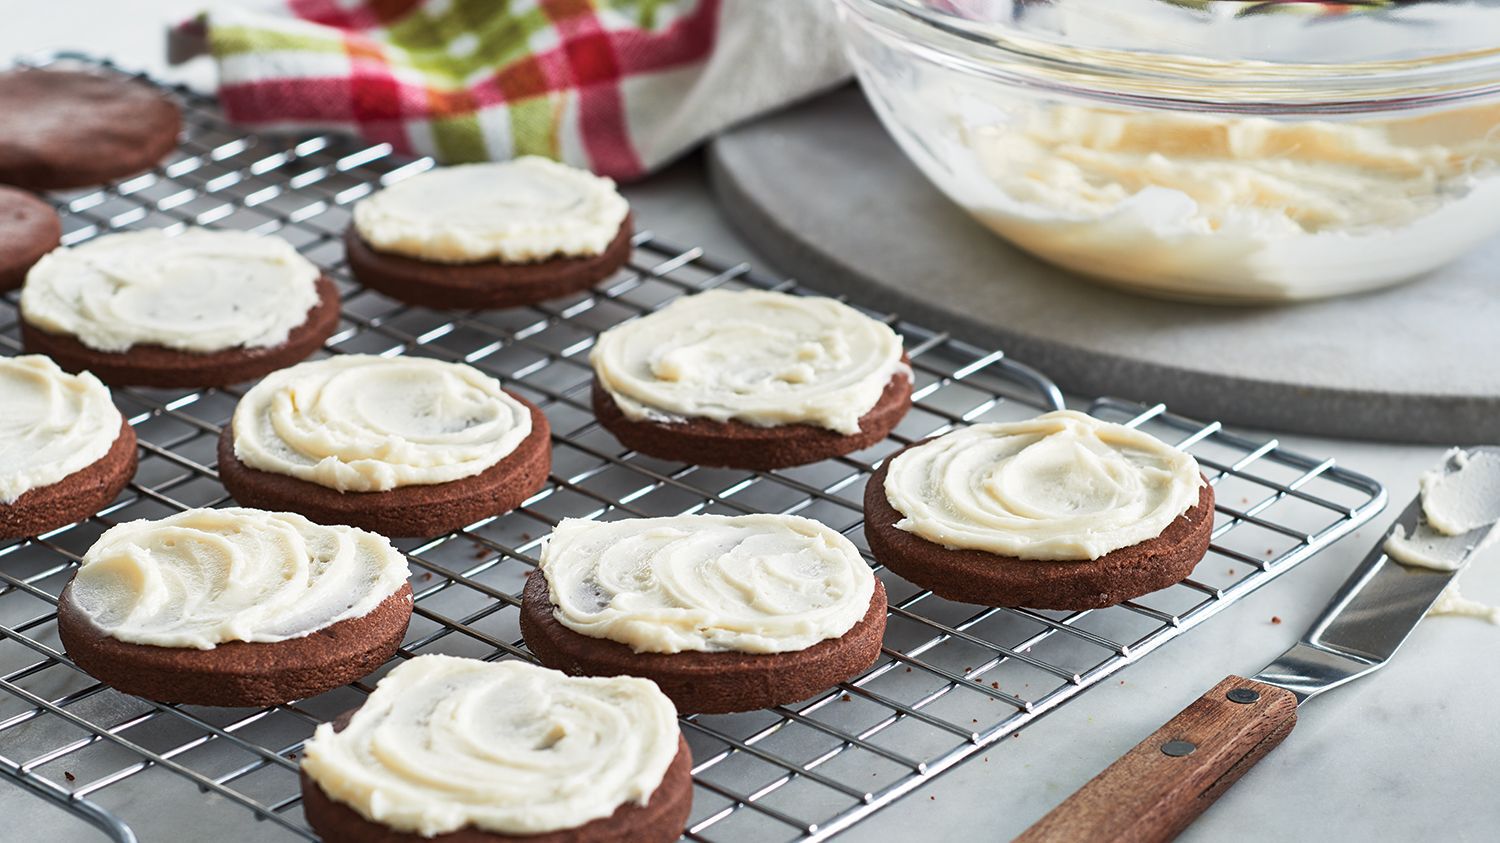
{"x": 1408, "y": 752}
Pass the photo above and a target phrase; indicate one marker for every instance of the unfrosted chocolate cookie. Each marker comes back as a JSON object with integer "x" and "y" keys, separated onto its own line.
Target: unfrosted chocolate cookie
{"x": 74, "y": 497}
{"x": 29, "y": 228}
{"x": 699, "y": 682}
{"x": 239, "y": 673}
{"x": 487, "y": 284}
{"x": 660, "y": 820}
{"x": 159, "y": 366}
{"x": 735, "y": 444}
{"x": 987, "y": 579}
{"x": 419, "y": 511}
{"x": 66, "y": 128}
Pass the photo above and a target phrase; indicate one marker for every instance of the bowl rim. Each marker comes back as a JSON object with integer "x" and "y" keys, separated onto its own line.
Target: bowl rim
{"x": 1180, "y": 81}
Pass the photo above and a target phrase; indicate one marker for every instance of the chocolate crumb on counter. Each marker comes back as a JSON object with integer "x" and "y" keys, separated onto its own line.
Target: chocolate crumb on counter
{"x": 1276, "y": 620}
{"x": 69, "y": 776}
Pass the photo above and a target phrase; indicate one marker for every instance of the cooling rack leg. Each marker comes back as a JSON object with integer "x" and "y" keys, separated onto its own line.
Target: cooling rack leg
{"x": 103, "y": 820}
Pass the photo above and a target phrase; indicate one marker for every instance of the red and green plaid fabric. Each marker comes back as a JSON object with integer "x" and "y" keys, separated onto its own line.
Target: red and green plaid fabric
{"x": 603, "y": 85}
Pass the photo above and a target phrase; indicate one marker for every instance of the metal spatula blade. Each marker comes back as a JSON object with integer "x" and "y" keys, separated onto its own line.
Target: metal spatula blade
{"x": 1154, "y": 791}
{"x": 1372, "y": 613}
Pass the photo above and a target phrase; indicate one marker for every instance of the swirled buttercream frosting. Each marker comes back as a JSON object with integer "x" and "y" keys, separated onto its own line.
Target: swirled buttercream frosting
{"x": 1061, "y": 486}
{"x": 52, "y": 424}
{"x": 751, "y": 356}
{"x": 708, "y": 583}
{"x": 204, "y": 577}
{"x": 361, "y": 423}
{"x": 444, "y": 743}
{"x": 527, "y": 209}
{"x": 200, "y": 291}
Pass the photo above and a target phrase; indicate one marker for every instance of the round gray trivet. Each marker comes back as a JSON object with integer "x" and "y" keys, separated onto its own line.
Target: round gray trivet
{"x": 827, "y": 196}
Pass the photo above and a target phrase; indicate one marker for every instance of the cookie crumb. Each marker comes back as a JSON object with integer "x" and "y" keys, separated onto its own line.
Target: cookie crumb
{"x": 908, "y": 670}
{"x": 426, "y": 575}
{"x": 1275, "y": 620}
{"x": 995, "y": 685}
{"x": 69, "y": 776}
{"x": 1231, "y": 572}
{"x": 846, "y": 698}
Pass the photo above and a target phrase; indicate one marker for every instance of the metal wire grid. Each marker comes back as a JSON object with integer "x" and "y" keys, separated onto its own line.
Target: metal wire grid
{"x": 952, "y": 679}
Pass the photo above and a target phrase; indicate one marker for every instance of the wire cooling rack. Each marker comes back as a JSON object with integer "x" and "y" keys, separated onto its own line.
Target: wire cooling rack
{"x": 952, "y": 678}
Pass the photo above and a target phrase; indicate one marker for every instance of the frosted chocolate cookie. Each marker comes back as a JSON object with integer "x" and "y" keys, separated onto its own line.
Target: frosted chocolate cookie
{"x": 724, "y": 613}
{"x": 65, "y": 451}
{"x": 234, "y": 607}
{"x": 462, "y": 751}
{"x": 65, "y": 128}
{"x": 490, "y": 235}
{"x": 404, "y": 446}
{"x": 750, "y": 379}
{"x": 1059, "y": 512}
{"x": 29, "y": 229}
{"x": 205, "y": 308}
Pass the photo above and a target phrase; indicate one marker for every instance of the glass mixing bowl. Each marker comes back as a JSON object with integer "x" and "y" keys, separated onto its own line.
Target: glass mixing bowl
{"x": 1201, "y": 149}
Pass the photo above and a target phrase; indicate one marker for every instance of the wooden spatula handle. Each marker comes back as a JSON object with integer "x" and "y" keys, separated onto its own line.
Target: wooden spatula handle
{"x": 1156, "y": 789}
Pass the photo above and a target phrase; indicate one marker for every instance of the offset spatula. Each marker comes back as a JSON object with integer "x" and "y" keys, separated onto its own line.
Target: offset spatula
{"x": 1167, "y": 780}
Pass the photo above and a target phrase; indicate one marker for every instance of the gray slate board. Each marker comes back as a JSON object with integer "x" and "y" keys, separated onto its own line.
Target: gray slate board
{"x": 828, "y": 197}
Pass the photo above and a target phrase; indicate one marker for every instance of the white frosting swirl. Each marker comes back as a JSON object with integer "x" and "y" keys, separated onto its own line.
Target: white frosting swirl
{"x": 752, "y": 356}
{"x": 1061, "y": 486}
{"x": 208, "y": 576}
{"x": 506, "y": 747}
{"x": 707, "y": 583}
{"x": 52, "y": 424}
{"x": 527, "y": 209}
{"x": 360, "y": 423}
{"x": 200, "y": 291}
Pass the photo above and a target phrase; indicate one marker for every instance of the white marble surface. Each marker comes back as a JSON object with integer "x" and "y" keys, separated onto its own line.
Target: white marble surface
{"x": 1409, "y": 752}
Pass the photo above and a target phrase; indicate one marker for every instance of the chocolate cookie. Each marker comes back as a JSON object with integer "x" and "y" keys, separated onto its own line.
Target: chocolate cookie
{"x": 987, "y": 579}
{"x": 707, "y": 683}
{"x": 489, "y": 284}
{"x": 155, "y": 365}
{"x": 418, "y": 511}
{"x": 239, "y": 673}
{"x": 660, "y": 820}
{"x": 66, "y": 128}
{"x": 74, "y": 497}
{"x": 29, "y": 228}
{"x": 735, "y": 444}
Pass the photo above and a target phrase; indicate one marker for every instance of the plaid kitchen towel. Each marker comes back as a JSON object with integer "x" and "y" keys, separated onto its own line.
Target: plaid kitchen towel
{"x": 618, "y": 87}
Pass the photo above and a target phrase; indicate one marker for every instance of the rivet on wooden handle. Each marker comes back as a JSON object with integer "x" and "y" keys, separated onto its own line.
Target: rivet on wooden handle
{"x": 1158, "y": 788}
